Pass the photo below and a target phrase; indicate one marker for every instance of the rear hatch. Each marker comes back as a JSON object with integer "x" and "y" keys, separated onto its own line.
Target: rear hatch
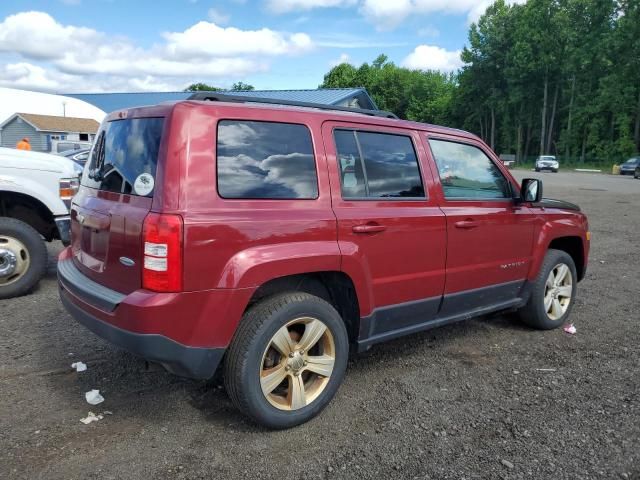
{"x": 116, "y": 194}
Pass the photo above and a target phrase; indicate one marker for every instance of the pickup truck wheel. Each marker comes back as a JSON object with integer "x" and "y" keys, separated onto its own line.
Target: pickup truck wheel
{"x": 23, "y": 257}
{"x": 287, "y": 359}
{"x": 553, "y": 292}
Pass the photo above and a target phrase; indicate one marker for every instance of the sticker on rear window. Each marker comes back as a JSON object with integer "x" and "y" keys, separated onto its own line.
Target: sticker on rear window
{"x": 144, "y": 184}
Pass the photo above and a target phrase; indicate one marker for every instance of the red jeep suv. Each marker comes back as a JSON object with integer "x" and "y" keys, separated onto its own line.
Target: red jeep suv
{"x": 269, "y": 238}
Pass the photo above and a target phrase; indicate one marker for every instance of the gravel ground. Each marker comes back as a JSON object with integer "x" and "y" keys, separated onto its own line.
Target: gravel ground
{"x": 487, "y": 398}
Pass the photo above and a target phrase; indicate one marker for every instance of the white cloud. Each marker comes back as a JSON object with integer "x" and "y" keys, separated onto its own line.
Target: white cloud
{"x": 27, "y": 76}
{"x": 344, "y": 58}
{"x": 388, "y": 14}
{"x": 38, "y": 35}
{"x": 205, "y": 39}
{"x": 70, "y": 58}
{"x": 384, "y": 14}
{"x": 217, "y": 16}
{"x": 285, "y": 6}
{"x": 429, "y": 57}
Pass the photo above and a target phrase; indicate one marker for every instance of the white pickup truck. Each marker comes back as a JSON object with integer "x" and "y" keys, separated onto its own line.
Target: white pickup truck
{"x": 35, "y": 194}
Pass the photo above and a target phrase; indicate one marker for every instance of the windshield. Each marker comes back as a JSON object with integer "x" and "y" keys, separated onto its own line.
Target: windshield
{"x": 125, "y": 157}
{"x": 631, "y": 161}
{"x": 548, "y": 159}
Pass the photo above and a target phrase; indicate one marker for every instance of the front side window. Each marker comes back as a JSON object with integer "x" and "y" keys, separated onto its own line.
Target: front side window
{"x": 466, "y": 172}
{"x": 265, "y": 160}
{"x": 377, "y": 165}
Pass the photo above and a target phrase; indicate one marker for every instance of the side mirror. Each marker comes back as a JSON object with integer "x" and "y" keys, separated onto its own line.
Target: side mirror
{"x": 531, "y": 190}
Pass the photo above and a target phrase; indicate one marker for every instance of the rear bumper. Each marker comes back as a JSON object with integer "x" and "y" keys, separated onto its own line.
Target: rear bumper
{"x": 193, "y": 362}
{"x": 187, "y": 332}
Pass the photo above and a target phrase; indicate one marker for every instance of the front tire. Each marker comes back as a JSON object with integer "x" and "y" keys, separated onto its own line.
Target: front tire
{"x": 287, "y": 359}
{"x": 553, "y": 292}
{"x": 23, "y": 257}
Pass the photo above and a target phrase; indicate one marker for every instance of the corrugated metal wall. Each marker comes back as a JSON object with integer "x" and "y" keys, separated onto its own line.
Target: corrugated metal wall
{"x": 16, "y": 130}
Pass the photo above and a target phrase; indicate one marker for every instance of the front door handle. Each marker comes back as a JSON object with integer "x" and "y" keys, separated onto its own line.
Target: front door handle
{"x": 369, "y": 228}
{"x": 467, "y": 224}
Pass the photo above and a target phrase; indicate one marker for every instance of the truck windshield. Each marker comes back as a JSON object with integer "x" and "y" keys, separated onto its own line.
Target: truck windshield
{"x": 125, "y": 157}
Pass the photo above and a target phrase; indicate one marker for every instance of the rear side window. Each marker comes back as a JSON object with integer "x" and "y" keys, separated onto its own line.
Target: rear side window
{"x": 125, "y": 157}
{"x": 265, "y": 160}
{"x": 377, "y": 165}
{"x": 466, "y": 172}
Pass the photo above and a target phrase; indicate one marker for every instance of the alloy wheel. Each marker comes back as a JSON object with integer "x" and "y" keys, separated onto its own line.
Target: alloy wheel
{"x": 558, "y": 291}
{"x": 297, "y": 364}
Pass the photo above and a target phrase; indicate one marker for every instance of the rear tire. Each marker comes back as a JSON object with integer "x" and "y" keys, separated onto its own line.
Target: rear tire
{"x": 271, "y": 366}
{"x": 552, "y": 293}
{"x": 23, "y": 257}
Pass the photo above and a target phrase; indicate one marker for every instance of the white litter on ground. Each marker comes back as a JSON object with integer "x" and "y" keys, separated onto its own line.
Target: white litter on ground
{"x": 93, "y": 397}
{"x": 545, "y": 369}
{"x": 91, "y": 417}
{"x": 570, "y": 329}
{"x": 79, "y": 366}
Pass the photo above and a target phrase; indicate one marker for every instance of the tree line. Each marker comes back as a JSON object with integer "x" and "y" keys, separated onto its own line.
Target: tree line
{"x": 545, "y": 77}
{"x": 203, "y": 87}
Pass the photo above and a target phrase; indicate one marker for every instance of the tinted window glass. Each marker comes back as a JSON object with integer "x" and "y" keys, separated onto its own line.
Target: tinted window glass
{"x": 351, "y": 174}
{"x": 384, "y": 166}
{"x": 467, "y": 172}
{"x": 125, "y": 154}
{"x": 265, "y": 160}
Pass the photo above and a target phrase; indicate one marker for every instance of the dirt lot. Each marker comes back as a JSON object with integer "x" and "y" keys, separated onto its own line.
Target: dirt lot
{"x": 465, "y": 401}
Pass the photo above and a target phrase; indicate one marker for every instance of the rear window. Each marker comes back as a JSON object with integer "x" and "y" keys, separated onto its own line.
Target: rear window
{"x": 265, "y": 160}
{"x": 125, "y": 157}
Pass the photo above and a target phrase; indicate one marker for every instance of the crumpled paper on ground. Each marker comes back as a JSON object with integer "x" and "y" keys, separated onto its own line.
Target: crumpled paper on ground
{"x": 79, "y": 366}
{"x": 92, "y": 417}
{"x": 93, "y": 397}
{"x": 570, "y": 329}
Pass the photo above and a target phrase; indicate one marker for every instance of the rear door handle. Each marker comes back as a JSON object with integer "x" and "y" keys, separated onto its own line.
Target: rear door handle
{"x": 467, "y": 224}
{"x": 369, "y": 228}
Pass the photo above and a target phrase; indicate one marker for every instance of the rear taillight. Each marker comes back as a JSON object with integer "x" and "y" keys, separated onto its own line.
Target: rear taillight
{"x": 162, "y": 236}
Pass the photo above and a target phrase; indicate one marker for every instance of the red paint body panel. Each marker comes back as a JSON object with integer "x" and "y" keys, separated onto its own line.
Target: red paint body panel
{"x": 111, "y": 228}
{"x": 406, "y": 261}
{"x": 498, "y": 248}
{"x": 554, "y": 223}
{"x": 231, "y": 247}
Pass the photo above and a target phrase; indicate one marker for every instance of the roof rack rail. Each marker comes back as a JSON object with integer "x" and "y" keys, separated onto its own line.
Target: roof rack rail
{"x": 221, "y": 97}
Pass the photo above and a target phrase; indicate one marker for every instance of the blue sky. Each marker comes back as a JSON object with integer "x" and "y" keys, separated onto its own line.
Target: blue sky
{"x": 119, "y": 45}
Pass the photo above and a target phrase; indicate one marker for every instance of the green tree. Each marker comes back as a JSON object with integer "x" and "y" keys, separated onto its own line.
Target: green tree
{"x": 423, "y": 96}
{"x": 201, "y": 87}
{"x": 242, "y": 87}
